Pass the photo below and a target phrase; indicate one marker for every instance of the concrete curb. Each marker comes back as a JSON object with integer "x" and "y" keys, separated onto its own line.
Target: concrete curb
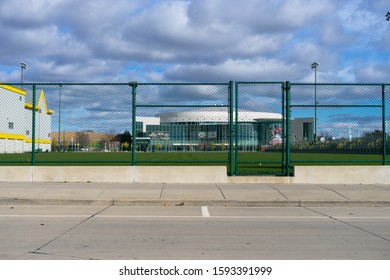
{"x": 178, "y": 203}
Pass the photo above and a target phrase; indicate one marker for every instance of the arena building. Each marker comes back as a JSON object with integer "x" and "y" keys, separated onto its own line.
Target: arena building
{"x": 209, "y": 130}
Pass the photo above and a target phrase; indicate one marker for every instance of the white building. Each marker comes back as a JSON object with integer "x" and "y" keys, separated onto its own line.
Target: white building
{"x": 16, "y": 121}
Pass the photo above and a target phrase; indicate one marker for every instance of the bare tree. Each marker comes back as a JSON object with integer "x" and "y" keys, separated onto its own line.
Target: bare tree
{"x": 82, "y": 138}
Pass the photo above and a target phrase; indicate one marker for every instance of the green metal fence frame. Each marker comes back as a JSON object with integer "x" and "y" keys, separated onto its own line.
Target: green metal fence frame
{"x": 229, "y": 106}
{"x": 232, "y": 105}
{"x": 382, "y": 106}
{"x": 284, "y": 156}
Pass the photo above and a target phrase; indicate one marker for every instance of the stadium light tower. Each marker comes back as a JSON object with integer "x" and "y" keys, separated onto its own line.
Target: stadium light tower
{"x": 23, "y": 66}
{"x": 388, "y": 16}
{"x": 314, "y": 66}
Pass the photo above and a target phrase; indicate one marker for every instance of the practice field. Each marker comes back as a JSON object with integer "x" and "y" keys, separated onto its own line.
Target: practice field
{"x": 249, "y": 163}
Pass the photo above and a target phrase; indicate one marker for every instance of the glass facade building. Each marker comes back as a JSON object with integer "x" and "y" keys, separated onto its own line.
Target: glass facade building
{"x": 210, "y": 131}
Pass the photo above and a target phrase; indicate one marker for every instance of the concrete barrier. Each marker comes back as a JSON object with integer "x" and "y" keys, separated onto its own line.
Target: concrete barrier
{"x": 115, "y": 174}
{"x": 15, "y": 173}
{"x": 192, "y": 174}
{"x": 342, "y": 174}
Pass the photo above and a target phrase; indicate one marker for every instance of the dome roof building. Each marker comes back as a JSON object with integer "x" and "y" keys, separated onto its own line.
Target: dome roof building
{"x": 208, "y": 129}
{"x": 216, "y": 115}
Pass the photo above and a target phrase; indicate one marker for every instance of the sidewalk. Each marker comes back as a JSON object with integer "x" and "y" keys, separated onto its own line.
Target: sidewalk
{"x": 194, "y": 194}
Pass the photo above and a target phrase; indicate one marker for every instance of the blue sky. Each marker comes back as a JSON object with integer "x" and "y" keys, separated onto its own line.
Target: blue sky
{"x": 194, "y": 41}
{"x": 218, "y": 40}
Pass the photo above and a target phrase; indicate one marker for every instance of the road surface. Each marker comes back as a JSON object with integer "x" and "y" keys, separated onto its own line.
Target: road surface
{"x": 181, "y": 232}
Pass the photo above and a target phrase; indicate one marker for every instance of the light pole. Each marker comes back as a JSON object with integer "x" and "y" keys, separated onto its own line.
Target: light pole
{"x": 23, "y": 66}
{"x": 314, "y": 66}
{"x": 388, "y": 16}
{"x": 59, "y": 118}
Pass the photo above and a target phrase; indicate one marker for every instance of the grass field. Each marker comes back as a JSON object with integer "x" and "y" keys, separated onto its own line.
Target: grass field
{"x": 249, "y": 163}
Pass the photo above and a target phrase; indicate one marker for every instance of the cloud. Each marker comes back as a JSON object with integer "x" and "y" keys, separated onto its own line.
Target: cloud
{"x": 194, "y": 41}
{"x": 259, "y": 69}
{"x": 373, "y": 74}
{"x": 193, "y": 36}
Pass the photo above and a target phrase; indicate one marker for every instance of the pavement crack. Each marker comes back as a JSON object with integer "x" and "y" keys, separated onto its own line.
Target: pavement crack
{"x": 348, "y": 224}
{"x": 382, "y": 188}
{"x": 162, "y": 190}
{"x": 37, "y": 251}
{"x": 223, "y": 195}
{"x": 336, "y": 192}
{"x": 279, "y": 192}
{"x": 62, "y": 256}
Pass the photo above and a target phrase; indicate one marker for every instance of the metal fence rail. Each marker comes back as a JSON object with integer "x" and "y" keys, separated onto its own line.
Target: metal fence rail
{"x": 188, "y": 118}
{"x": 260, "y": 127}
{"x": 253, "y": 128}
{"x": 349, "y": 124}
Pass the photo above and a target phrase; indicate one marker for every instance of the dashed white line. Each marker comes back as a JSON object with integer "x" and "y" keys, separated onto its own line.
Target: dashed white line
{"x": 205, "y": 211}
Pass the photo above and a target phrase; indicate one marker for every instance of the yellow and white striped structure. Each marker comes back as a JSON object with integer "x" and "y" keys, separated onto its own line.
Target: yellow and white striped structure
{"x": 16, "y": 121}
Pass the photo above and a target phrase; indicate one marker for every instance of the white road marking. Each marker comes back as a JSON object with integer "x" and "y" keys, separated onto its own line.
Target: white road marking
{"x": 205, "y": 211}
{"x": 44, "y": 216}
{"x": 193, "y": 217}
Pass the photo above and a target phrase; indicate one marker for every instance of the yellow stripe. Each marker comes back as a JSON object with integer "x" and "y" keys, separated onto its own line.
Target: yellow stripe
{"x": 11, "y": 136}
{"x": 37, "y": 106}
{"x": 28, "y": 106}
{"x": 40, "y": 141}
{"x": 22, "y": 137}
{"x": 13, "y": 89}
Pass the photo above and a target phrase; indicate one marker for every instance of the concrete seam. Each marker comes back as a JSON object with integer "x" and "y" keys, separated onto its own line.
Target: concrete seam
{"x": 382, "y": 188}
{"x": 72, "y": 228}
{"x": 348, "y": 224}
{"x": 336, "y": 192}
{"x": 32, "y": 174}
{"x": 162, "y": 189}
{"x": 278, "y": 191}
{"x": 223, "y": 195}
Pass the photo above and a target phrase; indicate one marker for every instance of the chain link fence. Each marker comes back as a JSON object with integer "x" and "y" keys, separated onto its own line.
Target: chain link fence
{"x": 260, "y": 128}
{"x": 253, "y": 128}
{"x": 177, "y": 123}
{"x": 347, "y": 127}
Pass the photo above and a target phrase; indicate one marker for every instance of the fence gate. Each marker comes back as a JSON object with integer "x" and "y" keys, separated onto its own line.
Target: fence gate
{"x": 260, "y": 128}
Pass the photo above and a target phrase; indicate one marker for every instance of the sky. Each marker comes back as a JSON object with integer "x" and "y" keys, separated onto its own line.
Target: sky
{"x": 194, "y": 41}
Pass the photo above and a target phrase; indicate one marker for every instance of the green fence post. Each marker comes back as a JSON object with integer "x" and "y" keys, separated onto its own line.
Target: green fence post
{"x": 235, "y": 130}
{"x": 288, "y": 127}
{"x": 284, "y": 171}
{"x": 133, "y": 122}
{"x": 34, "y": 104}
{"x": 232, "y": 129}
{"x": 384, "y": 137}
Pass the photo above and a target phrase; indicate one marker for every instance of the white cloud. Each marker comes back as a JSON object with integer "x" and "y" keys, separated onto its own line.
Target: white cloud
{"x": 258, "y": 69}
{"x": 193, "y": 40}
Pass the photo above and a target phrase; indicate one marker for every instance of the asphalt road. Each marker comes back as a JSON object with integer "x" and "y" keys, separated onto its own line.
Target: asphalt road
{"x": 181, "y": 232}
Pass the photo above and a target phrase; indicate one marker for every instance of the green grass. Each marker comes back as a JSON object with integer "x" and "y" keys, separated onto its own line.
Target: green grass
{"x": 249, "y": 163}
